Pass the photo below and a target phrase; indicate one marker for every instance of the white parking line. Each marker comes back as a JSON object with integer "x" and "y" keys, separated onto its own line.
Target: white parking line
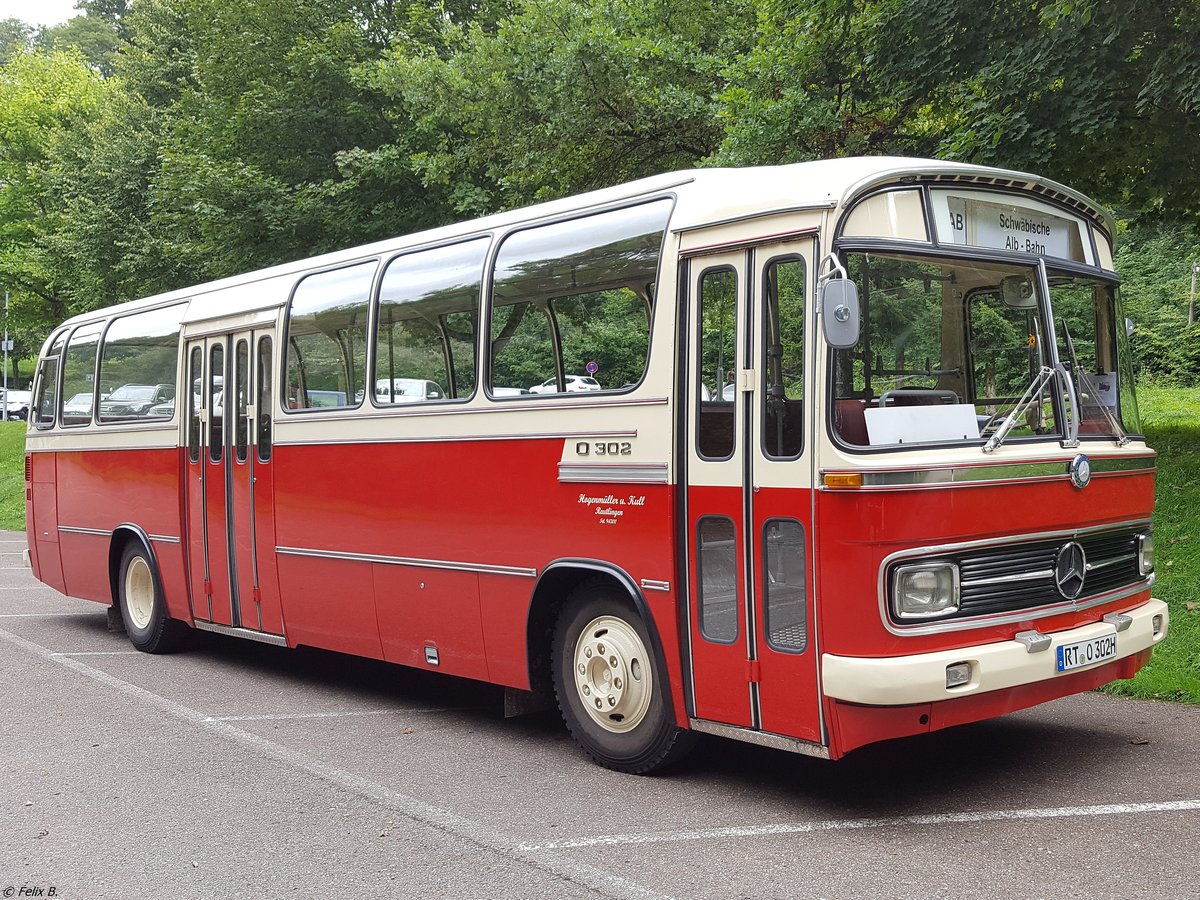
{"x": 37, "y": 615}
{"x": 99, "y": 653}
{"x": 280, "y": 717}
{"x": 483, "y": 836}
{"x": 995, "y": 815}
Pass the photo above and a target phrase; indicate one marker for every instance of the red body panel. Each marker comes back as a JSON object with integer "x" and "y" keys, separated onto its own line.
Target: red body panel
{"x": 858, "y": 529}
{"x": 468, "y": 503}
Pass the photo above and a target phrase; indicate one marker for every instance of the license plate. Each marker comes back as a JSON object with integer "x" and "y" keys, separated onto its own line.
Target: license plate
{"x": 1086, "y": 653}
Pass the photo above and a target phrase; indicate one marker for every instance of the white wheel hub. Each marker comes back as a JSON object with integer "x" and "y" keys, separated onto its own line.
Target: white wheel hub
{"x": 139, "y": 592}
{"x": 613, "y": 674}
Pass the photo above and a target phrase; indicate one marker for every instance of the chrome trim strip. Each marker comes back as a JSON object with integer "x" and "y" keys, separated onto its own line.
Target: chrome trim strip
{"x": 625, "y": 473}
{"x": 466, "y": 407}
{"x": 71, "y": 529}
{"x": 1001, "y": 579}
{"x": 276, "y": 640}
{"x": 650, "y": 584}
{"x": 976, "y": 474}
{"x": 1006, "y": 618}
{"x": 762, "y": 738}
{"x": 453, "y": 438}
{"x": 1110, "y": 562}
{"x": 480, "y": 568}
{"x": 165, "y": 539}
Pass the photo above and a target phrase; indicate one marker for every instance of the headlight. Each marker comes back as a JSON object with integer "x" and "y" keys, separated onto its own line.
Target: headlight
{"x": 1145, "y": 554}
{"x": 925, "y": 591}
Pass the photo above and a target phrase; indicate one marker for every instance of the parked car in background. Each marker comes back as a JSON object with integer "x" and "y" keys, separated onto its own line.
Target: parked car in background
{"x": 407, "y": 390}
{"x": 135, "y": 399}
{"x": 18, "y": 404}
{"x": 78, "y": 409}
{"x": 509, "y": 392}
{"x": 572, "y": 382}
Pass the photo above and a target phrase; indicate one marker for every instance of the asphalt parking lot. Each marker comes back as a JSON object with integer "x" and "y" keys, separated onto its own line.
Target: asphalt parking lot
{"x": 243, "y": 770}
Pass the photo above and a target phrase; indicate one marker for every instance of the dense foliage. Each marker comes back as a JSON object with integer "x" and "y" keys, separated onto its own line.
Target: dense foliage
{"x": 148, "y": 144}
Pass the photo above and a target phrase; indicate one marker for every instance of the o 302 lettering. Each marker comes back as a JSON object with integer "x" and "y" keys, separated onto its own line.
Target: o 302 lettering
{"x": 603, "y": 448}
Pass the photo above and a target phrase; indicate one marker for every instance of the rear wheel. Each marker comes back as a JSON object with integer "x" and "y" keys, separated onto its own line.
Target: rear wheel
{"x": 143, "y": 609}
{"x": 610, "y": 688}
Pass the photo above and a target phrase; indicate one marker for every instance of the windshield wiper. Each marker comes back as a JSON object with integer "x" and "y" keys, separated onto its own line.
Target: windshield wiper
{"x": 1090, "y": 388}
{"x": 1032, "y": 393}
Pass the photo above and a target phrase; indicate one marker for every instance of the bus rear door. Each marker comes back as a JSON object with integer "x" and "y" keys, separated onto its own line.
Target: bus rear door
{"x": 229, "y": 518}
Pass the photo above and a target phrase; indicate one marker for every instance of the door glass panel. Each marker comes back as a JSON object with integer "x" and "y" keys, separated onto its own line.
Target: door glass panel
{"x": 241, "y": 379}
{"x": 784, "y": 585}
{"x": 783, "y": 358}
{"x": 195, "y": 380}
{"x": 718, "y": 364}
{"x": 216, "y": 379}
{"x": 717, "y": 561}
{"x": 264, "y": 399}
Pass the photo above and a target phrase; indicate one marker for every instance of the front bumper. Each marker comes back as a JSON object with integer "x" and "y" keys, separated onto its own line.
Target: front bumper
{"x": 921, "y": 678}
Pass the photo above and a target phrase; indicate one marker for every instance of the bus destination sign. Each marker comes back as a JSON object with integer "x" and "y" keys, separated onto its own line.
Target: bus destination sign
{"x": 1006, "y": 227}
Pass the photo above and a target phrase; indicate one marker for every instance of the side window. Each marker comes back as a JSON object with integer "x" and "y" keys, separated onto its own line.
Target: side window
{"x": 428, "y": 310}
{"x": 195, "y": 379}
{"x": 716, "y": 559}
{"x": 717, "y": 313}
{"x": 784, "y": 585}
{"x": 783, "y": 358}
{"x": 45, "y": 401}
{"x": 573, "y": 302}
{"x": 326, "y": 338}
{"x": 138, "y": 365}
{"x": 265, "y": 399}
{"x": 79, "y": 375}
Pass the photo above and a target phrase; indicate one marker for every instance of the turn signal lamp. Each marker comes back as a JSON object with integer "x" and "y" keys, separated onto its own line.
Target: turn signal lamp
{"x": 843, "y": 479}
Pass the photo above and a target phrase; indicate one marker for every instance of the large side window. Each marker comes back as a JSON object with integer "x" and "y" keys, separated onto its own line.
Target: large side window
{"x": 138, "y": 366}
{"x": 573, "y": 302}
{"x": 79, "y": 375}
{"x": 718, "y": 363}
{"x": 45, "y": 400}
{"x": 326, "y": 338}
{"x": 428, "y": 310}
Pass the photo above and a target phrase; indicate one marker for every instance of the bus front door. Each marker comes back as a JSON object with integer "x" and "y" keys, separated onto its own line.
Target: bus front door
{"x": 229, "y": 448}
{"x": 748, "y": 498}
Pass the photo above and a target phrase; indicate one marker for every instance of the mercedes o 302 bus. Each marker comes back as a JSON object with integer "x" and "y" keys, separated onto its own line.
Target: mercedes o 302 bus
{"x": 862, "y": 459}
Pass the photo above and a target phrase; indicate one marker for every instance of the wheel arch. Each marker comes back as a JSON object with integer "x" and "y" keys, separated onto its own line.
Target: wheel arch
{"x": 554, "y": 585}
{"x": 123, "y": 535}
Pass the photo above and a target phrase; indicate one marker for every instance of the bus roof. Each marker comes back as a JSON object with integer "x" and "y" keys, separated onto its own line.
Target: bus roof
{"x": 704, "y": 197}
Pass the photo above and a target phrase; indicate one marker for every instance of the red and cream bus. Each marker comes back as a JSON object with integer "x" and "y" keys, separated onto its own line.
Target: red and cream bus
{"x": 810, "y": 456}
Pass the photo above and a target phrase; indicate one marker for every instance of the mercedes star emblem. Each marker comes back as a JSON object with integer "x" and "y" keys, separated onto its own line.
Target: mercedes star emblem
{"x": 1080, "y": 470}
{"x": 1070, "y": 566}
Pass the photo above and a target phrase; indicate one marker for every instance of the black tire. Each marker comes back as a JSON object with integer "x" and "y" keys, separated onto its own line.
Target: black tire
{"x": 143, "y": 608}
{"x": 633, "y": 726}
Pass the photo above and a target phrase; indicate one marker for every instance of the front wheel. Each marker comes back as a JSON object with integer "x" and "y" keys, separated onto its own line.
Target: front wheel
{"x": 143, "y": 608}
{"x": 610, "y": 688}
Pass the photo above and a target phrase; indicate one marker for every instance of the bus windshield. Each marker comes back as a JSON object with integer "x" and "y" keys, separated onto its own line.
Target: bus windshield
{"x": 949, "y": 349}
